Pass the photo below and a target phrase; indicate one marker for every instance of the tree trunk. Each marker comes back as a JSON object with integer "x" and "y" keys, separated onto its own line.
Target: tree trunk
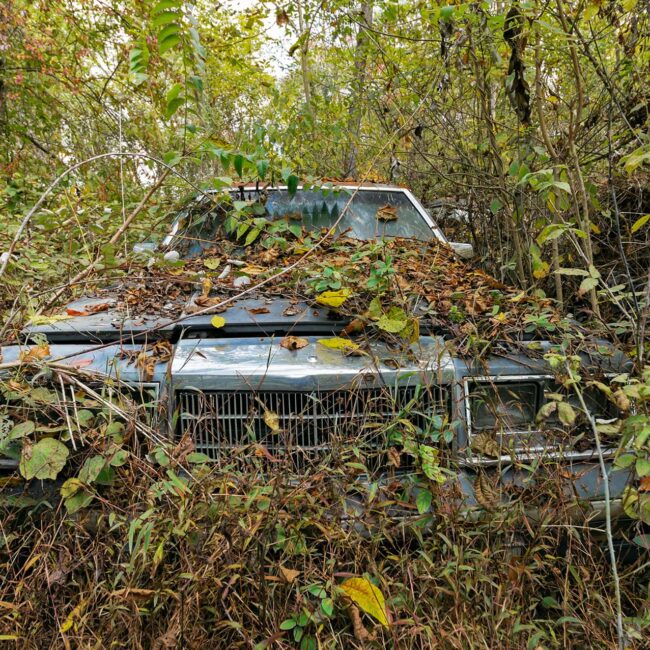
{"x": 355, "y": 114}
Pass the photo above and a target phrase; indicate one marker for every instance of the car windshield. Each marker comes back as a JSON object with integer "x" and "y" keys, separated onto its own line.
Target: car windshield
{"x": 372, "y": 214}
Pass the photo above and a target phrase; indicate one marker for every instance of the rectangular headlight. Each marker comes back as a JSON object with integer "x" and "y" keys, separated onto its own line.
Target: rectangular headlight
{"x": 504, "y": 406}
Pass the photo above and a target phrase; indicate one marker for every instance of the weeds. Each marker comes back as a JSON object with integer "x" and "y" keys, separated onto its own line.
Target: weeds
{"x": 146, "y": 545}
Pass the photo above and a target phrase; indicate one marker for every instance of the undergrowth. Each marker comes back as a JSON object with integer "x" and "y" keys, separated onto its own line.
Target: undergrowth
{"x": 142, "y": 544}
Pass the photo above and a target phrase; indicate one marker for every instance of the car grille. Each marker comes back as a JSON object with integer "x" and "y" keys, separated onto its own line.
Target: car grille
{"x": 311, "y": 426}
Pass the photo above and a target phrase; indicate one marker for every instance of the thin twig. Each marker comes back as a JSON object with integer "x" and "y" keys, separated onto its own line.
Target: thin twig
{"x": 608, "y": 512}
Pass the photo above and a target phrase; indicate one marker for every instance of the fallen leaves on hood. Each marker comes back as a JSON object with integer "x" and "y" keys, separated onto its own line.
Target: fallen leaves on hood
{"x": 333, "y": 298}
{"x": 293, "y": 343}
{"x": 35, "y": 353}
{"x": 217, "y": 322}
{"x": 88, "y": 309}
{"x": 337, "y": 343}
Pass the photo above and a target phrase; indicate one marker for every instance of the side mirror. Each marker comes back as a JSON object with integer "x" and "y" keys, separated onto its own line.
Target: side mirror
{"x": 144, "y": 247}
{"x": 464, "y": 251}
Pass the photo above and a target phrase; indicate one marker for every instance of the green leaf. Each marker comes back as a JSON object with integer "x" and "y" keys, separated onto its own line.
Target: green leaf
{"x": 394, "y": 321}
{"x": 71, "y": 487}
{"x": 21, "y": 430}
{"x": 262, "y": 168}
{"x": 172, "y": 158}
{"x": 242, "y": 229}
{"x": 167, "y": 43}
{"x": 43, "y": 460}
{"x": 587, "y": 285}
{"x": 289, "y": 624}
{"x": 423, "y": 501}
{"x": 495, "y": 206}
{"x": 197, "y": 458}
{"x": 91, "y": 469}
{"x": 561, "y": 185}
{"x": 164, "y": 5}
{"x": 78, "y": 501}
{"x": 173, "y": 106}
{"x": 119, "y": 458}
{"x": 327, "y": 605}
{"x": 168, "y": 31}
{"x": 447, "y": 12}
{"x": 221, "y": 181}
{"x": 174, "y": 92}
{"x": 252, "y": 236}
{"x": 164, "y": 18}
{"x": 643, "y": 467}
{"x": 552, "y": 231}
{"x": 566, "y": 413}
{"x": 624, "y": 460}
{"x": 292, "y": 184}
{"x": 643, "y": 541}
{"x": 238, "y": 164}
{"x": 308, "y": 643}
{"x": 374, "y": 309}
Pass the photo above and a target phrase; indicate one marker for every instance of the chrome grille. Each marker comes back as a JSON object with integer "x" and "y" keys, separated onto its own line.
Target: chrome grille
{"x": 312, "y": 425}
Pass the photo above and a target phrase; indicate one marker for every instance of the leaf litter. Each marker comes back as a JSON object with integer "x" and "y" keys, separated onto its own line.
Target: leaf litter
{"x": 393, "y": 289}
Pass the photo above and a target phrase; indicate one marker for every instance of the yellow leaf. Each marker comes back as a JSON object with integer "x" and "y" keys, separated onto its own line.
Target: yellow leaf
{"x": 40, "y": 319}
{"x": 590, "y": 11}
{"x": 333, "y": 298}
{"x": 289, "y": 574}
{"x": 518, "y": 298}
{"x": 640, "y": 222}
{"x": 337, "y": 343}
{"x": 540, "y": 270}
{"x": 252, "y": 269}
{"x": 206, "y": 285}
{"x": 217, "y": 321}
{"x": 211, "y": 263}
{"x": 367, "y": 597}
{"x": 272, "y": 421}
{"x": 74, "y": 614}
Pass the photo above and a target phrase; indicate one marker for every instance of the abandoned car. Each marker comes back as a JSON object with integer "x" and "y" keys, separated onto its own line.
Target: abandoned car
{"x": 335, "y": 326}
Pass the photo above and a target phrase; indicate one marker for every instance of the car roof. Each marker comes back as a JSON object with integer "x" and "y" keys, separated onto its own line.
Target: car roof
{"x": 352, "y": 185}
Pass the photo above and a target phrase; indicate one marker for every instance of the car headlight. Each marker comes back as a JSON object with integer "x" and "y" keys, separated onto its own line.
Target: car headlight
{"x": 505, "y": 406}
{"x": 508, "y": 411}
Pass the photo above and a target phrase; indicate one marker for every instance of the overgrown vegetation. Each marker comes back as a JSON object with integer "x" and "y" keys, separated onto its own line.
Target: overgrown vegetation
{"x": 524, "y": 129}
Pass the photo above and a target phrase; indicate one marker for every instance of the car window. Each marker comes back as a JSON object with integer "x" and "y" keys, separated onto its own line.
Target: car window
{"x": 371, "y": 215}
